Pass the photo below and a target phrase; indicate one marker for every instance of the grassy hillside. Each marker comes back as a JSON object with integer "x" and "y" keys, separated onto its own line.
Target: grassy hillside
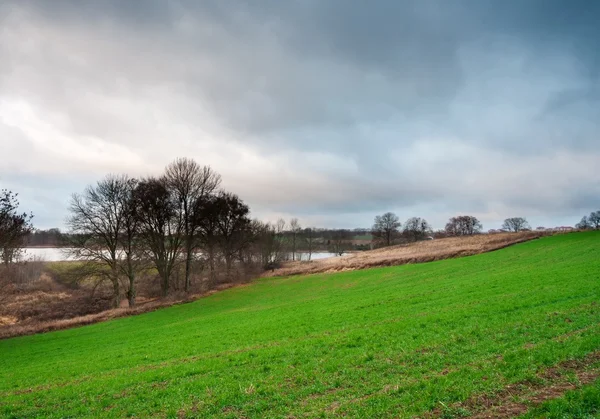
{"x": 399, "y": 341}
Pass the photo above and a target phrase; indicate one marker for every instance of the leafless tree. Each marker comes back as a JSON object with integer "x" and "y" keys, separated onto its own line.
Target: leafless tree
{"x": 515, "y": 224}
{"x": 386, "y": 227}
{"x": 309, "y": 237}
{"x": 14, "y": 226}
{"x": 190, "y": 182}
{"x": 233, "y": 227}
{"x": 97, "y": 221}
{"x": 584, "y": 224}
{"x": 416, "y": 228}
{"x": 594, "y": 219}
{"x": 264, "y": 242}
{"x": 161, "y": 226}
{"x": 132, "y": 260}
{"x": 463, "y": 225}
{"x": 295, "y": 230}
{"x": 282, "y": 242}
{"x": 206, "y": 221}
{"x": 339, "y": 241}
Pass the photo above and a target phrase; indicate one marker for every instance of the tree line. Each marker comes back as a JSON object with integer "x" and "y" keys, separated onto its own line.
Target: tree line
{"x": 180, "y": 224}
{"x": 122, "y": 226}
{"x": 388, "y": 230}
{"x": 589, "y": 222}
{"x": 51, "y": 237}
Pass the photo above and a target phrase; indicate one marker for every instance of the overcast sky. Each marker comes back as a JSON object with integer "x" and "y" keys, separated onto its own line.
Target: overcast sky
{"x": 329, "y": 110}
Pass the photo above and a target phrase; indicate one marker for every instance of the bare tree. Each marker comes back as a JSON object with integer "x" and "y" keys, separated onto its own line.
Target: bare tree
{"x": 594, "y": 219}
{"x": 295, "y": 230}
{"x": 584, "y": 224}
{"x": 463, "y": 225}
{"x": 190, "y": 182}
{"x": 206, "y": 221}
{"x": 14, "y": 226}
{"x": 309, "y": 237}
{"x": 97, "y": 220}
{"x": 161, "y": 226}
{"x": 339, "y": 241}
{"x": 264, "y": 243}
{"x": 516, "y": 224}
{"x": 282, "y": 243}
{"x": 386, "y": 227}
{"x": 233, "y": 227}
{"x": 132, "y": 260}
{"x": 268, "y": 243}
{"x": 416, "y": 228}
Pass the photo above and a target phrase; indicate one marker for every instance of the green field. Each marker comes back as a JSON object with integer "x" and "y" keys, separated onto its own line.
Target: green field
{"x": 386, "y": 342}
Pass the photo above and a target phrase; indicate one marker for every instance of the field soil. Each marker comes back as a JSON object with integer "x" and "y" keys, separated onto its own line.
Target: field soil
{"x": 423, "y": 251}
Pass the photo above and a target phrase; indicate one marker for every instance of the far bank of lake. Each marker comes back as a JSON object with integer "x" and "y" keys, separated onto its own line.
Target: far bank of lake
{"x": 59, "y": 254}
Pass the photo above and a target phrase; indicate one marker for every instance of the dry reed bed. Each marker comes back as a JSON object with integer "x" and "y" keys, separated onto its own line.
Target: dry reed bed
{"x": 12, "y": 329}
{"x": 424, "y": 251}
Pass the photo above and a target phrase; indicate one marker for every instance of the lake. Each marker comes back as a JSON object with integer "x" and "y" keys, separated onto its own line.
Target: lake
{"x": 54, "y": 254}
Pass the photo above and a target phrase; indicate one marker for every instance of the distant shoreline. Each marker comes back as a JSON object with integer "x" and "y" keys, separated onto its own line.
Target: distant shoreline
{"x": 45, "y": 247}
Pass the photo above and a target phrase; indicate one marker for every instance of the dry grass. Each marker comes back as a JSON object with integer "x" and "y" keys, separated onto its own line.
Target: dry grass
{"x": 11, "y": 326}
{"x": 424, "y": 251}
{"x": 59, "y": 298}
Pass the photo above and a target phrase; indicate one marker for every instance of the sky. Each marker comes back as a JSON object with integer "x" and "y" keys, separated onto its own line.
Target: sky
{"x": 331, "y": 111}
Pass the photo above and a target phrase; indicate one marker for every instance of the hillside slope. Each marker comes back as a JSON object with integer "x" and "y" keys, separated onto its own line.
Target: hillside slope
{"x": 413, "y": 340}
{"x": 419, "y": 252}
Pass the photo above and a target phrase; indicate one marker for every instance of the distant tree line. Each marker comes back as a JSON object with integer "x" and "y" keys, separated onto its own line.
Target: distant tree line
{"x": 589, "y": 222}
{"x": 387, "y": 229}
{"x": 52, "y": 237}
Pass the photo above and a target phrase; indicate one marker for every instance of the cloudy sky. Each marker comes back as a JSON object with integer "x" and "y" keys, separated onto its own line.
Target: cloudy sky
{"x": 329, "y": 110}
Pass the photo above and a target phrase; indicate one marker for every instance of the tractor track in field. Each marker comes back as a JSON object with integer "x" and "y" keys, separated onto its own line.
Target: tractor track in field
{"x": 516, "y": 399}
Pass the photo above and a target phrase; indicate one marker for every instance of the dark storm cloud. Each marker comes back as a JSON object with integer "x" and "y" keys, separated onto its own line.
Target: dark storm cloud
{"x": 328, "y": 106}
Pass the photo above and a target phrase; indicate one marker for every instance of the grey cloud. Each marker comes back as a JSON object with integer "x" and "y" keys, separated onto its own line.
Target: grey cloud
{"x": 365, "y": 84}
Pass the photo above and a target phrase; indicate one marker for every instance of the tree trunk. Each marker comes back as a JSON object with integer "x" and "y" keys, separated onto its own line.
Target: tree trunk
{"x": 188, "y": 264}
{"x": 115, "y": 281}
{"x": 228, "y": 263}
{"x": 164, "y": 279}
{"x": 188, "y": 246}
{"x": 131, "y": 294}
{"x": 116, "y": 293}
{"x": 211, "y": 263}
{"x": 165, "y": 284}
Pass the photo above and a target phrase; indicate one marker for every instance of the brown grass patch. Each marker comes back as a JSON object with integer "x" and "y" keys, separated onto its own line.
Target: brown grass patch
{"x": 424, "y": 251}
{"x": 32, "y": 326}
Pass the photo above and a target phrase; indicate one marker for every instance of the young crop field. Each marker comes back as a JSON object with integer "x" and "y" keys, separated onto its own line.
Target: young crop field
{"x": 505, "y": 333}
